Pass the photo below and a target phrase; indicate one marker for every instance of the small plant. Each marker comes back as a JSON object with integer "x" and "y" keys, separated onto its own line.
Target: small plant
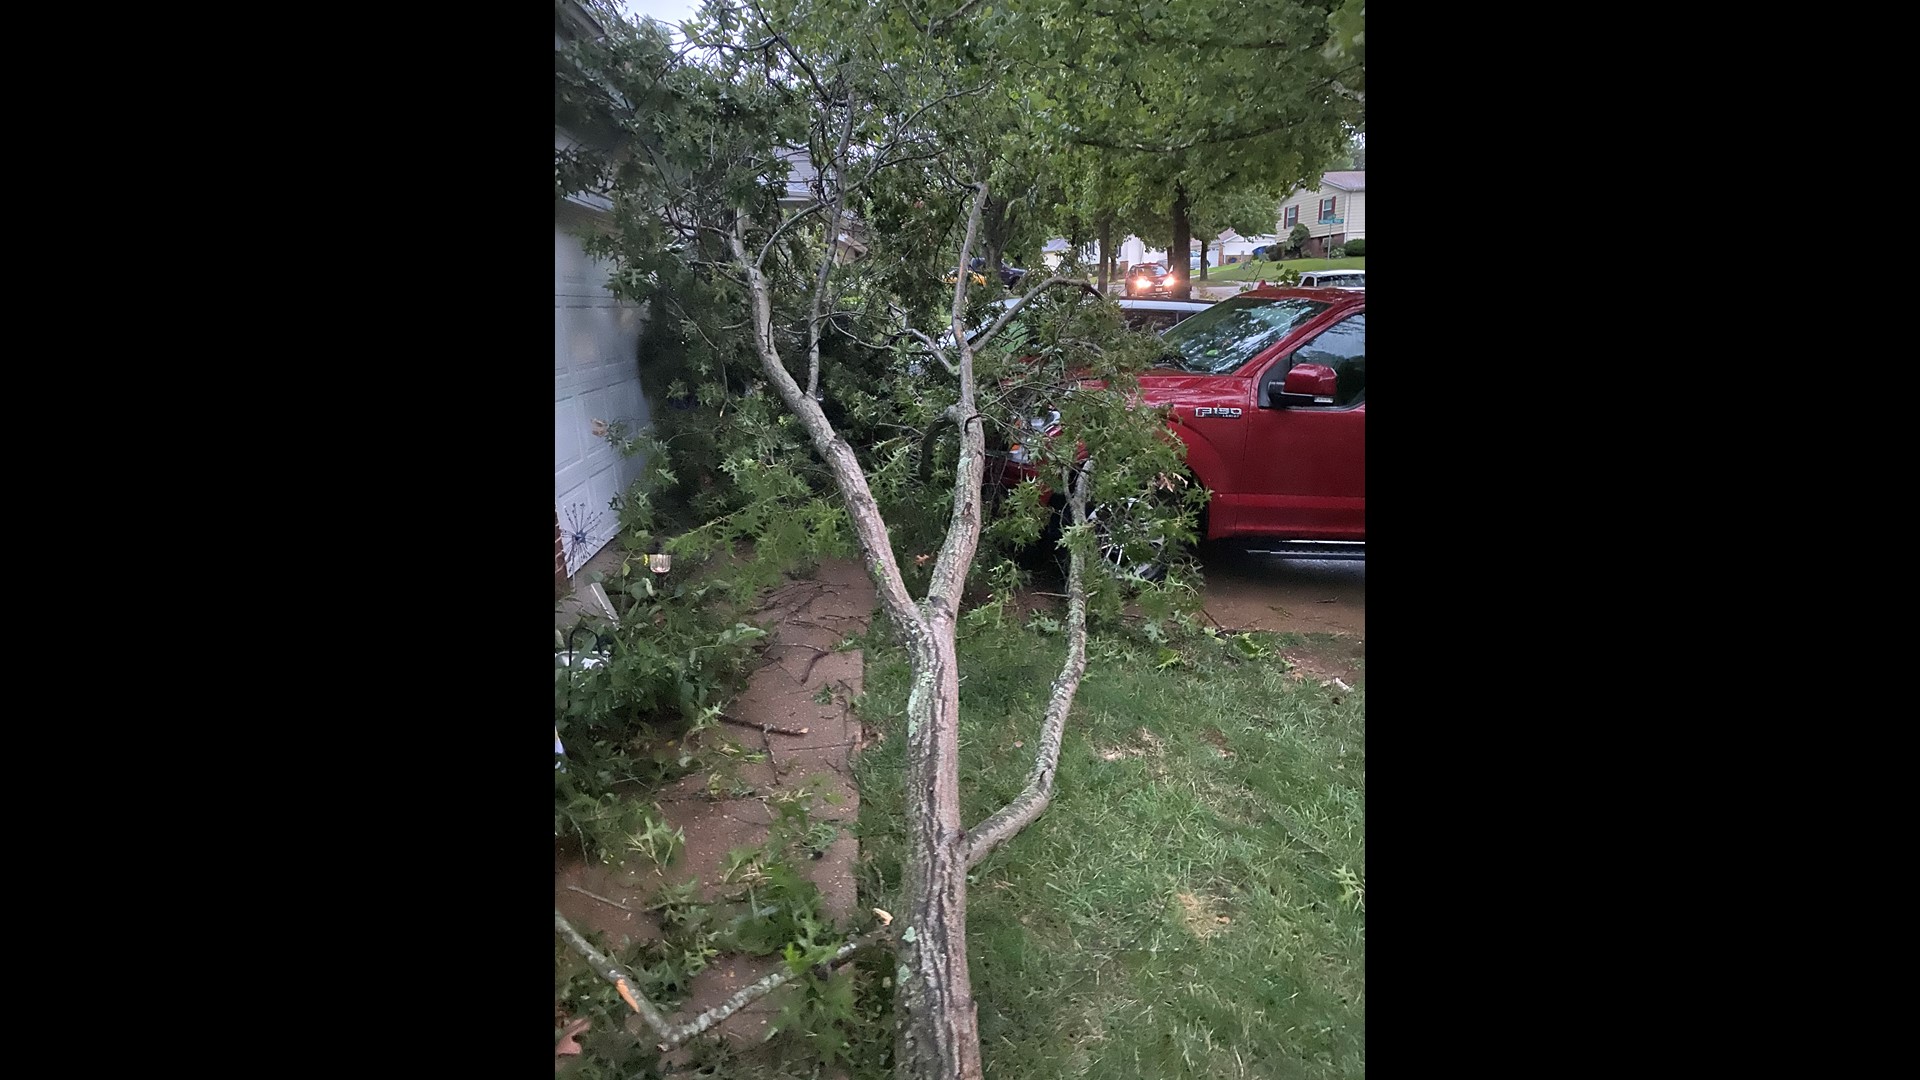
{"x": 1250, "y": 647}
{"x": 656, "y": 840}
{"x": 819, "y": 837}
{"x": 1357, "y": 247}
{"x": 1352, "y": 889}
{"x": 608, "y": 826}
{"x": 1297, "y": 241}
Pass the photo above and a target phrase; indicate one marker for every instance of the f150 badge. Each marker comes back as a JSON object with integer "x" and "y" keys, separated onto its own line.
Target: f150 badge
{"x": 1205, "y": 410}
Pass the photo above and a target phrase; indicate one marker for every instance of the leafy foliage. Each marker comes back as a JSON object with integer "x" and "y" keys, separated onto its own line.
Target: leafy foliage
{"x": 1297, "y": 240}
{"x": 628, "y": 695}
{"x": 799, "y": 185}
{"x": 1356, "y": 247}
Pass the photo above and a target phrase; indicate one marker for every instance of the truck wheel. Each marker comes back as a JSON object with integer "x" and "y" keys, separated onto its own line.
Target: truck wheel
{"x": 1110, "y": 523}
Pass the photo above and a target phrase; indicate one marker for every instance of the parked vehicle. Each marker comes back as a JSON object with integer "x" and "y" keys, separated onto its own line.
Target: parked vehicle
{"x": 1334, "y": 279}
{"x": 1010, "y": 276}
{"x": 1159, "y": 316}
{"x": 1268, "y": 390}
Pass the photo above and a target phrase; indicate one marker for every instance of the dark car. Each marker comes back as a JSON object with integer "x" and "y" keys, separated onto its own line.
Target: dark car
{"x": 1010, "y": 276}
{"x": 1150, "y": 279}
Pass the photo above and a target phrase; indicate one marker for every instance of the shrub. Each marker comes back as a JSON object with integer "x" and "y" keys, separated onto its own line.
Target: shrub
{"x": 1337, "y": 253}
{"x": 1297, "y": 241}
{"x": 1357, "y": 247}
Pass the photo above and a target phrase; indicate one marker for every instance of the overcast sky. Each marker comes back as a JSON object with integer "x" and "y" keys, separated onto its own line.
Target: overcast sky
{"x": 671, "y": 11}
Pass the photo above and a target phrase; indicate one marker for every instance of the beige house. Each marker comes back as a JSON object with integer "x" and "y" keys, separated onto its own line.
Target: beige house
{"x": 1334, "y": 213}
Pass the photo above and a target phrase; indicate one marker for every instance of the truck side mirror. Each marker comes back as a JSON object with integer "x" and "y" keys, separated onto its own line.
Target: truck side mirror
{"x": 1304, "y": 384}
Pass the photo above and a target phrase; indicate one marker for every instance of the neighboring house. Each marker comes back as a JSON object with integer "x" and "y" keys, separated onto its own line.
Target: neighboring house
{"x": 1234, "y": 248}
{"x": 596, "y": 366}
{"x": 1341, "y": 195}
{"x": 803, "y": 178}
{"x": 1333, "y": 213}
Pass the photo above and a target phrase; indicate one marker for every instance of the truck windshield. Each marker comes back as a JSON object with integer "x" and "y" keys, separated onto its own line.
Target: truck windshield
{"x": 1232, "y": 332}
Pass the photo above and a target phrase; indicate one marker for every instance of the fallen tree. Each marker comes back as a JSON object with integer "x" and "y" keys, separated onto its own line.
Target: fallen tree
{"x": 881, "y": 122}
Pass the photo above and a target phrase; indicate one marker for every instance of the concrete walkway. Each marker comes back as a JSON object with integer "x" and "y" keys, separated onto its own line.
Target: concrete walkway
{"x": 807, "y": 620}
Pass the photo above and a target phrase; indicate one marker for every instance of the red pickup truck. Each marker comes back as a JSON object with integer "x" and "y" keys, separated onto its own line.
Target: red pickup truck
{"x": 1269, "y": 392}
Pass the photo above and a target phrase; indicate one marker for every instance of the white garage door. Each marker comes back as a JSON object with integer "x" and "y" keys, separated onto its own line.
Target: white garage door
{"x": 596, "y": 376}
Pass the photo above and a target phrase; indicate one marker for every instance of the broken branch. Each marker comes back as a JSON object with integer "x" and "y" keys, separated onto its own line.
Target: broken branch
{"x": 673, "y": 1035}
{"x": 1038, "y": 794}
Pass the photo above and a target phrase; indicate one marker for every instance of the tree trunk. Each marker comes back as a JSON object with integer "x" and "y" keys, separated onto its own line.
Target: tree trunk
{"x": 1106, "y": 251}
{"x": 1203, "y": 258}
{"x": 1177, "y": 253}
{"x": 938, "y": 1034}
{"x": 996, "y": 224}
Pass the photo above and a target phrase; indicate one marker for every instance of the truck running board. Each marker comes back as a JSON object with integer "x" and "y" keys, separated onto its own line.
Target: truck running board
{"x": 1310, "y": 549}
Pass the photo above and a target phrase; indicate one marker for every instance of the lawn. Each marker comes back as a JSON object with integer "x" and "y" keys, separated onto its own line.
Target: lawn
{"x": 1193, "y": 903}
{"x": 1254, "y": 271}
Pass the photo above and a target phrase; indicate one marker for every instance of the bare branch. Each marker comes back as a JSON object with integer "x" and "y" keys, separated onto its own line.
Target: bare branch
{"x": 1038, "y": 794}
{"x": 863, "y": 512}
{"x": 671, "y": 1035}
{"x": 792, "y": 219}
{"x": 1032, "y": 292}
{"x": 747, "y": 995}
{"x": 604, "y": 966}
{"x": 939, "y": 353}
{"x": 826, "y": 259}
{"x": 962, "y": 274}
{"x": 963, "y": 528}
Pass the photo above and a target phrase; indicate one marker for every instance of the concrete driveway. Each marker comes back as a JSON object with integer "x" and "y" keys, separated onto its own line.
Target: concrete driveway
{"x": 1250, "y": 591}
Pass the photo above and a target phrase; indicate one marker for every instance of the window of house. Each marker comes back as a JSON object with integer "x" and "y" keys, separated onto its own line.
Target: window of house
{"x": 1326, "y": 209}
{"x": 1293, "y": 216}
{"x": 1342, "y": 347}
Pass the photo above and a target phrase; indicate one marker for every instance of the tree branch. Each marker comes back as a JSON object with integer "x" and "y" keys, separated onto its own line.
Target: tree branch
{"x": 863, "y": 512}
{"x": 604, "y": 966}
{"x": 939, "y": 353}
{"x": 942, "y": 21}
{"x": 963, "y": 528}
{"x": 672, "y": 1035}
{"x": 1032, "y": 293}
{"x": 747, "y": 995}
{"x": 784, "y": 226}
{"x": 826, "y": 260}
{"x": 1038, "y": 794}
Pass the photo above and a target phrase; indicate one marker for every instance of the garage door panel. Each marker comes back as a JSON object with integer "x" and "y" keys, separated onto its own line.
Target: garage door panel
{"x": 596, "y": 376}
{"x": 566, "y": 441}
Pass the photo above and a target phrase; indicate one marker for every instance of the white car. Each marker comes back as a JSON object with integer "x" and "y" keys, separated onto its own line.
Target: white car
{"x": 1352, "y": 280}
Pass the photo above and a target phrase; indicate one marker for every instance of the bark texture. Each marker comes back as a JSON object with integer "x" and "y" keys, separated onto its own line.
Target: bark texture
{"x": 1177, "y": 249}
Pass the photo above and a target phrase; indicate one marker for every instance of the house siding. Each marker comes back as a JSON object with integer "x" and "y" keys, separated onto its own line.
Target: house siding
{"x": 1351, "y": 205}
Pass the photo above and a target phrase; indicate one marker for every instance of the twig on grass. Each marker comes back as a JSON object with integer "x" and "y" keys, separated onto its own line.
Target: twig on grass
{"x": 602, "y": 899}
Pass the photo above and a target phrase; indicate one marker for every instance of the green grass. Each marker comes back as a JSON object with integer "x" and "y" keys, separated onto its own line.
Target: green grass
{"x": 1254, "y": 271}
{"x": 1097, "y": 946}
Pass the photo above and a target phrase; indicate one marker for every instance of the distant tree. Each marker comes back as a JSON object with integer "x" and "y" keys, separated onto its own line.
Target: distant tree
{"x": 1123, "y": 81}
